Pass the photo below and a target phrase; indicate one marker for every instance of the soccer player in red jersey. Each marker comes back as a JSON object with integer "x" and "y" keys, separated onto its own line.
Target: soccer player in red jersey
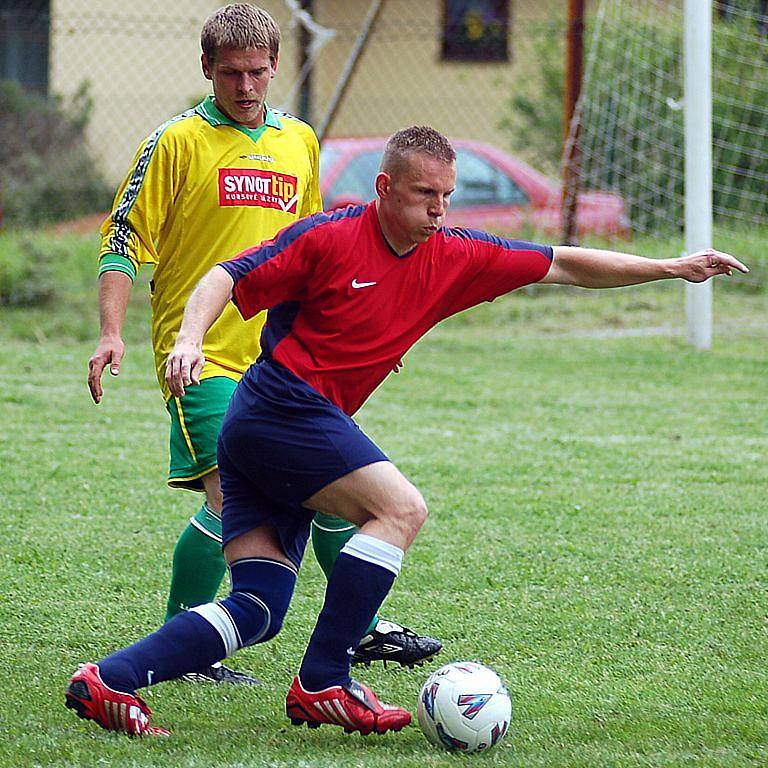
{"x": 207, "y": 183}
{"x": 348, "y": 294}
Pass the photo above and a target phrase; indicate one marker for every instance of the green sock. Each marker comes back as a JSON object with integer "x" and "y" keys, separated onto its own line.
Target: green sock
{"x": 329, "y": 535}
{"x": 198, "y": 563}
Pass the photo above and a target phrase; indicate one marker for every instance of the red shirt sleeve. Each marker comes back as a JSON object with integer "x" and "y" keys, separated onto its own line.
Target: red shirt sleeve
{"x": 277, "y": 270}
{"x": 487, "y": 266}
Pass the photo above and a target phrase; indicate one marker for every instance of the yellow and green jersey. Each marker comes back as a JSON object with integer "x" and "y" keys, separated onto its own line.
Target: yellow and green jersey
{"x": 201, "y": 189}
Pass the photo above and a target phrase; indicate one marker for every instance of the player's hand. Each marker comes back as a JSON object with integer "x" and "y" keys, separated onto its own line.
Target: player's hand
{"x": 185, "y": 364}
{"x": 702, "y": 265}
{"x": 397, "y": 367}
{"x": 109, "y": 353}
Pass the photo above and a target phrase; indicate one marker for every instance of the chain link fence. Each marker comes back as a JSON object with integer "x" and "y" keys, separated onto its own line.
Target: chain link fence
{"x": 487, "y": 71}
{"x": 131, "y": 67}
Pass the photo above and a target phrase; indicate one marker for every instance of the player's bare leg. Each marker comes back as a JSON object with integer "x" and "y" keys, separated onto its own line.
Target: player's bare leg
{"x": 389, "y": 511}
{"x": 384, "y": 640}
{"x": 378, "y": 499}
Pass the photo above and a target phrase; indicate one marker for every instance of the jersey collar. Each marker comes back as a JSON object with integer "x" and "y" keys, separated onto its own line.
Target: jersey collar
{"x": 214, "y": 116}
{"x": 374, "y": 212}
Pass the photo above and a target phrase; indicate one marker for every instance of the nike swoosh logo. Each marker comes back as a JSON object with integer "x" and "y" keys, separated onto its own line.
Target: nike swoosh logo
{"x": 355, "y": 284}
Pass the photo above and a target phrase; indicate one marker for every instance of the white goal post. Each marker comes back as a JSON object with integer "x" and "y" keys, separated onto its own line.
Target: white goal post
{"x": 697, "y": 95}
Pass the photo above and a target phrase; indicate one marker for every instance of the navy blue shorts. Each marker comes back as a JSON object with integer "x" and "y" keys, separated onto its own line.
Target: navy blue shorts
{"x": 280, "y": 443}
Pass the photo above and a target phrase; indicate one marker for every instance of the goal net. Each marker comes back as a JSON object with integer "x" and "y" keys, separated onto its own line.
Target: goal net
{"x": 630, "y": 115}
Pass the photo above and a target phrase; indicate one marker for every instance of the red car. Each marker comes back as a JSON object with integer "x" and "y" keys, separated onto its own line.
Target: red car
{"x": 494, "y": 191}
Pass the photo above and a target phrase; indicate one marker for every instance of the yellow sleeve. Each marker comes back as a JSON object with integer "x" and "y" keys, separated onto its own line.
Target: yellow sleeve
{"x": 142, "y": 205}
{"x": 313, "y": 201}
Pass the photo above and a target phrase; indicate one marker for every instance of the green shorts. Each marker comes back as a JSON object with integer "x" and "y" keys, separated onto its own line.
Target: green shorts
{"x": 195, "y": 424}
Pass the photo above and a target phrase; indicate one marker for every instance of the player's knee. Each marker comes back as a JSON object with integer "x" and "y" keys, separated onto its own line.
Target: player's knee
{"x": 257, "y": 621}
{"x": 274, "y": 626}
{"x": 417, "y": 511}
{"x": 213, "y": 495}
{"x": 409, "y": 514}
{"x": 255, "y": 609}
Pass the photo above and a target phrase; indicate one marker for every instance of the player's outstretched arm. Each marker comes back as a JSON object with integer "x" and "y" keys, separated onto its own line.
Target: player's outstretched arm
{"x": 207, "y": 302}
{"x": 592, "y": 268}
{"x": 114, "y": 294}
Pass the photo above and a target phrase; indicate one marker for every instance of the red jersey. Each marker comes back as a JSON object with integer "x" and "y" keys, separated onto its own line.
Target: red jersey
{"x": 344, "y": 307}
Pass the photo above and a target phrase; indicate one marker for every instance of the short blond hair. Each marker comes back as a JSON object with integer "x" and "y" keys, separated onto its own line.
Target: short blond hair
{"x": 418, "y": 139}
{"x": 240, "y": 26}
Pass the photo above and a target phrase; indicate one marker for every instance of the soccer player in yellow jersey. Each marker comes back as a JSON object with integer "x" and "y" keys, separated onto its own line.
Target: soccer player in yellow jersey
{"x": 205, "y": 185}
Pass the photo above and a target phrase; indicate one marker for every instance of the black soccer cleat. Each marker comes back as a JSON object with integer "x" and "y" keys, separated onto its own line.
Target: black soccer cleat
{"x": 218, "y": 673}
{"x": 388, "y": 641}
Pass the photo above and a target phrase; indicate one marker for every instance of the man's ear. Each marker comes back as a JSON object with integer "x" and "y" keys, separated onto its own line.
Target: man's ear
{"x": 206, "y": 67}
{"x": 274, "y": 60}
{"x": 383, "y": 184}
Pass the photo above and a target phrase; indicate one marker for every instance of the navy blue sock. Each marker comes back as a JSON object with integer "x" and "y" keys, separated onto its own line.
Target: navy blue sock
{"x": 195, "y": 639}
{"x": 361, "y": 577}
{"x": 256, "y": 606}
{"x": 184, "y": 644}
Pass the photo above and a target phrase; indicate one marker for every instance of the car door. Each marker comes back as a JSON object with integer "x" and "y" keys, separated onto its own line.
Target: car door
{"x": 486, "y": 197}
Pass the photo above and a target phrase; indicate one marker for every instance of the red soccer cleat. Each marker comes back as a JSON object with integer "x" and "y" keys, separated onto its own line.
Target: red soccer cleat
{"x": 94, "y": 700}
{"x": 354, "y": 707}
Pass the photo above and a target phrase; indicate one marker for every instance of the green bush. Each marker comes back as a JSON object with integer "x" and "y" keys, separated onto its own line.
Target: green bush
{"x": 642, "y": 145}
{"x": 739, "y": 120}
{"x": 534, "y": 119}
{"x": 27, "y": 271}
{"x": 46, "y": 171}
{"x": 38, "y": 268}
{"x": 49, "y": 287}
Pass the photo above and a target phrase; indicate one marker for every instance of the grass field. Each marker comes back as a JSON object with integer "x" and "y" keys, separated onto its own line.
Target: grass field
{"x": 597, "y": 534}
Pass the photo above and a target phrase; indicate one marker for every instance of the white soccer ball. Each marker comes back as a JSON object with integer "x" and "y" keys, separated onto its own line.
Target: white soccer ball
{"x": 464, "y": 706}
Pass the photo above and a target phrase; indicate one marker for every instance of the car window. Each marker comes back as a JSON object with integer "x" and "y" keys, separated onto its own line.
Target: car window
{"x": 328, "y": 156}
{"x": 478, "y": 182}
{"x": 356, "y": 180}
